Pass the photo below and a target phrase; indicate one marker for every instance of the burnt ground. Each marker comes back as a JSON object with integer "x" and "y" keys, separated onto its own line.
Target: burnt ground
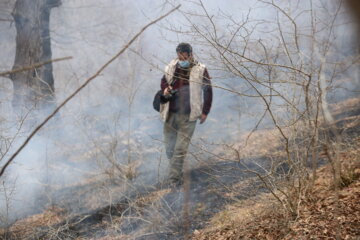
{"x": 159, "y": 212}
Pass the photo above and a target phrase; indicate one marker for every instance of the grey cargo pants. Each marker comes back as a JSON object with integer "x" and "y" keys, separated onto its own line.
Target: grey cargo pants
{"x": 178, "y": 131}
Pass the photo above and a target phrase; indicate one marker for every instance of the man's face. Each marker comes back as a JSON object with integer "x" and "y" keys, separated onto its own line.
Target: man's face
{"x": 183, "y": 56}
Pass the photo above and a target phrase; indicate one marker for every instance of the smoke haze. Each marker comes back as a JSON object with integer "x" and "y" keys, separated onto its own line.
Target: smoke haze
{"x": 110, "y": 130}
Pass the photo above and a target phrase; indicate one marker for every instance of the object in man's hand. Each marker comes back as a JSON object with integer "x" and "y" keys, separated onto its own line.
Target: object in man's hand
{"x": 161, "y": 98}
{"x": 172, "y": 94}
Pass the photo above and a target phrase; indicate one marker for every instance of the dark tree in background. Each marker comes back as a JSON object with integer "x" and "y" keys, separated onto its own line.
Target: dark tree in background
{"x": 36, "y": 86}
{"x": 354, "y": 6}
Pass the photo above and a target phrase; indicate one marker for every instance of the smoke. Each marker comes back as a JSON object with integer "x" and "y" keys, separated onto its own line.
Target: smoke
{"x": 109, "y": 135}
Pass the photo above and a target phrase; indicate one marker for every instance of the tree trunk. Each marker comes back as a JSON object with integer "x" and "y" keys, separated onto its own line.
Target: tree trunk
{"x": 354, "y": 7}
{"x": 33, "y": 88}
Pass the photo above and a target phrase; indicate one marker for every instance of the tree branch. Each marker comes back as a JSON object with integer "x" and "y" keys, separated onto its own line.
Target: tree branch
{"x": 36, "y": 65}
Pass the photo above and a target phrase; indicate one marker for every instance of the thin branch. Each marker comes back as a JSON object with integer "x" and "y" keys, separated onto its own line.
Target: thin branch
{"x": 290, "y": 18}
{"x": 36, "y": 65}
{"x": 6, "y": 20}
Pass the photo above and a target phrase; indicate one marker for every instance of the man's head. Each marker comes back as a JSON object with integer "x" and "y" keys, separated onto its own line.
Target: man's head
{"x": 184, "y": 52}
{"x": 184, "y": 47}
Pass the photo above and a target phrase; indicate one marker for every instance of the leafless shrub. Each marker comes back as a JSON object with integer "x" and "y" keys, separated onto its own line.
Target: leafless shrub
{"x": 290, "y": 63}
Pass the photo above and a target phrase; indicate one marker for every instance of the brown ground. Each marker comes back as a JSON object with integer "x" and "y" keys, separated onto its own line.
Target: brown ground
{"x": 324, "y": 213}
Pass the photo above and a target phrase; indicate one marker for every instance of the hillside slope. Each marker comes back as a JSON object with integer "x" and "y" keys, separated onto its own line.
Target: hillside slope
{"x": 221, "y": 200}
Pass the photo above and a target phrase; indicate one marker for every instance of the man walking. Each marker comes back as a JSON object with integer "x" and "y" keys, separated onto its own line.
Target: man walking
{"x": 187, "y": 96}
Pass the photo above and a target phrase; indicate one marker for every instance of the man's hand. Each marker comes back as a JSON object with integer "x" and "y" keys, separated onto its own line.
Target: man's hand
{"x": 203, "y": 118}
{"x": 167, "y": 90}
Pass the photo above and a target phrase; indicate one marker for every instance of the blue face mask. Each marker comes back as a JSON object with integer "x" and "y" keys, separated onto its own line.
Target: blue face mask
{"x": 184, "y": 64}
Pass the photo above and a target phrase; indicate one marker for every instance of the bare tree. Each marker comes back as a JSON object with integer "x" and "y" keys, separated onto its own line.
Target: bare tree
{"x": 33, "y": 45}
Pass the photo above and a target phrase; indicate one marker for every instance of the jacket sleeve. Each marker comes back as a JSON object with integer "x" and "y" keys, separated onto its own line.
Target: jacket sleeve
{"x": 163, "y": 83}
{"x": 208, "y": 94}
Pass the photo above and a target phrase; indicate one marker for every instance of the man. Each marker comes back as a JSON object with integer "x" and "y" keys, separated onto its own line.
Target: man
{"x": 187, "y": 96}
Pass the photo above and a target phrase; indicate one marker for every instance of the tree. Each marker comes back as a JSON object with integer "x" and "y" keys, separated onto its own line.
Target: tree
{"x": 36, "y": 86}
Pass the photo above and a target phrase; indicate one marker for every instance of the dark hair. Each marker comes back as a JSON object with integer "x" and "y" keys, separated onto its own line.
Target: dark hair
{"x": 184, "y": 47}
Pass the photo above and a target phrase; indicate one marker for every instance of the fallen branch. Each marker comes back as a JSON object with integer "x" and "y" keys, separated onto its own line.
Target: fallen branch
{"x": 80, "y": 88}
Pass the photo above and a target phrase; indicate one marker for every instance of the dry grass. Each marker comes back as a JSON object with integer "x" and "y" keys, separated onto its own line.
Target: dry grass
{"x": 268, "y": 142}
{"x": 26, "y": 226}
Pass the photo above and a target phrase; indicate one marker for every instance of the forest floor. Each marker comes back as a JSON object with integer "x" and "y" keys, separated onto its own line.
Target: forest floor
{"x": 221, "y": 200}
{"x": 324, "y": 213}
